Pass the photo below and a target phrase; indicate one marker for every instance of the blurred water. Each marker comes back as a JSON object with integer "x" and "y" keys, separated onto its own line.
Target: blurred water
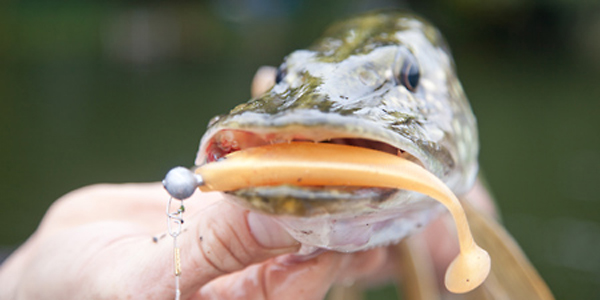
{"x": 122, "y": 92}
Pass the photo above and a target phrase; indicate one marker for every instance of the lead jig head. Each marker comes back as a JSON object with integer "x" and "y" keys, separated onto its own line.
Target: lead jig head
{"x": 181, "y": 183}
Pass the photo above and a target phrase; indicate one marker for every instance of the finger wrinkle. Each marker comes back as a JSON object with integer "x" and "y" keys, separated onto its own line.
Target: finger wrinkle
{"x": 207, "y": 258}
{"x": 244, "y": 257}
{"x": 229, "y": 249}
{"x": 227, "y": 254}
{"x": 222, "y": 246}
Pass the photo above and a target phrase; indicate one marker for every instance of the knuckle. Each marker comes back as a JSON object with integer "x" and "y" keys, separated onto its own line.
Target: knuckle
{"x": 225, "y": 248}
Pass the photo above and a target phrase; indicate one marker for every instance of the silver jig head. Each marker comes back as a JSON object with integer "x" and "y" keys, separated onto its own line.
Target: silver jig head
{"x": 181, "y": 183}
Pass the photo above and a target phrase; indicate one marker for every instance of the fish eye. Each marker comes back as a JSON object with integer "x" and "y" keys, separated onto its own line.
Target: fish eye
{"x": 281, "y": 72}
{"x": 409, "y": 73}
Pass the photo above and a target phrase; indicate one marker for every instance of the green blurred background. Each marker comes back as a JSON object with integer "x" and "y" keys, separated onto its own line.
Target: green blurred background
{"x": 120, "y": 91}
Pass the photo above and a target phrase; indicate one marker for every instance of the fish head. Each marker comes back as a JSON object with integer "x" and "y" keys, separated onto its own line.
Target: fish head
{"x": 385, "y": 81}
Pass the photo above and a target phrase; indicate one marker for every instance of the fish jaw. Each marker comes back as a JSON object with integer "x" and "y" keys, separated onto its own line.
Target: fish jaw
{"x": 335, "y": 218}
{"x": 403, "y": 214}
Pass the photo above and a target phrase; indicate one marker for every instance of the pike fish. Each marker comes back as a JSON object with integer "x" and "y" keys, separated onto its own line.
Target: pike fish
{"x": 386, "y": 81}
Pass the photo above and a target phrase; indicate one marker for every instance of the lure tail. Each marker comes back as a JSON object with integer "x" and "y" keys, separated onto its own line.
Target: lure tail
{"x": 512, "y": 276}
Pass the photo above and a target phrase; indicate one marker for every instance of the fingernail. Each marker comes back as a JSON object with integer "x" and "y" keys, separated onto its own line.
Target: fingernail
{"x": 269, "y": 233}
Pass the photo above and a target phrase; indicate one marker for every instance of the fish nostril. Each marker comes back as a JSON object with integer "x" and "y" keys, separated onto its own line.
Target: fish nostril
{"x": 369, "y": 77}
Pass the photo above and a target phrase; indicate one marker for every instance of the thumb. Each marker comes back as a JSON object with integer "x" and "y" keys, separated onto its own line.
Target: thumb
{"x": 223, "y": 238}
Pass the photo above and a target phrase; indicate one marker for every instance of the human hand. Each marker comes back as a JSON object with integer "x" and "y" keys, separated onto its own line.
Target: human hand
{"x": 96, "y": 243}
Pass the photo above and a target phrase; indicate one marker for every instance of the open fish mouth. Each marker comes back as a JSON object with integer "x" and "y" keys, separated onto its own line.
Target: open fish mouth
{"x": 306, "y": 201}
{"x": 228, "y": 141}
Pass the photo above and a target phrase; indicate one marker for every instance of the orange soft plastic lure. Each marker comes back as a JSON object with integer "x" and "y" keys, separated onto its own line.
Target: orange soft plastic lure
{"x": 312, "y": 164}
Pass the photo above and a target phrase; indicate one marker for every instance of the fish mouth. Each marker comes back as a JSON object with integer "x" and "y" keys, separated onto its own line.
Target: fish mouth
{"x": 305, "y": 201}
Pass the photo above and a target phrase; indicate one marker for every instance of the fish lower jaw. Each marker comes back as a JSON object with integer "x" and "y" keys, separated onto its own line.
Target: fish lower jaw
{"x": 314, "y": 201}
{"x": 359, "y": 232}
{"x": 345, "y": 223}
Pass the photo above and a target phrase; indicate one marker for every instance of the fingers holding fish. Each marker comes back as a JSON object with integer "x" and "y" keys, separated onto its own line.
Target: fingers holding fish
{"x": 284, "y": 278}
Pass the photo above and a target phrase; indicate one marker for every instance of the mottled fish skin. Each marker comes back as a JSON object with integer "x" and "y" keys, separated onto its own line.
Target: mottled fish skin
{"x": 349, "y": 85}
{"x": 346, "y": 83}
